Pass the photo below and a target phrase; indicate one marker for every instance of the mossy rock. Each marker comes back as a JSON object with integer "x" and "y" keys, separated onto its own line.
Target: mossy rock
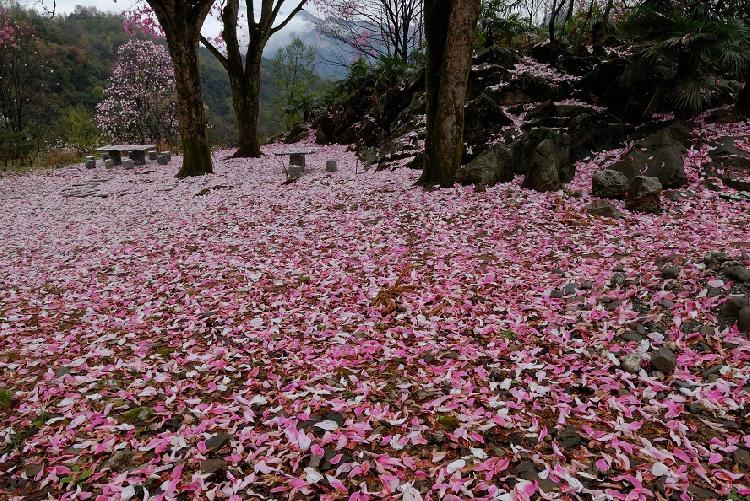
{"x": 137, "y": 415}
{"x": 448, "y": 421}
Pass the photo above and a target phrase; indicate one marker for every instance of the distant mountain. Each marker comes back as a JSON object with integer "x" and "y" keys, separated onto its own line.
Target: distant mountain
{"x": 330, "y": 64}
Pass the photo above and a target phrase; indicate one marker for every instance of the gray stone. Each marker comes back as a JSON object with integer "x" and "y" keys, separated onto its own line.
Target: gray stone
{"x": 633, "y": 336}
{"x": 297, "y": 159}
{"x": 743, "y": 320}
{"x": 602, "y": 208}
{"x": 128, "y": 164}
{"x": 569, "y": 289}
{"x": 670, "y": 271}
{"x": 212, "y": 465}
{"x": 526, "y": 470}
{"x": 618, "y": 279}
{"x": 163, "y": 159}
{"x": 119, "y": 460}
{"x": 315, "y": 461}
{"x": 632, "y": 363}
{"x": 153, "y": 155}
{"x": 609, "y": 184}
{"x": 701, "y": 494}
{"x": 569, "y": 438}
{"x": 91, "y": 164}
{"x": 218, "y": 440}
{"x": 331, "y": 166}
{"x": 32, "y": 470}
{"x": 663, "y": 360}
{"x": 294, "y": 171}
{"x": 138, "y": 157}
{"x": 738, "y": 273}
{"x": 109, "y": 163}
{"x": 644, "y": 195}
{"x": 659, "y": 155}
{"x": 544, "y": 172}
{"x": 733, "y": 306}
{"x": 742, "y": 457}
{"x": 491, "y": 167}
{"x": 90, "y": 158}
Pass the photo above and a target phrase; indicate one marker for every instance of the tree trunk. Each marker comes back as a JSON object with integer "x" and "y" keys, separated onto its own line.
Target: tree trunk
{"x": 247, "y": 116}
{"x": 196, "y": 160}
{"x": 449, "y": 32}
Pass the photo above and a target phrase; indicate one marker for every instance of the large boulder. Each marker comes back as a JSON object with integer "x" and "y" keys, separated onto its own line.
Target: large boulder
{"x": 644, "y": 195}
{"x": 660, "y": 155}
{"x": 483, "y": 118}
{"x": 525, "y": 88}
{"x": 497, "y": 55}
{"x": 525, "y": 152}
{"x": 623, "y": 86}
{"x": 609, "y": 184}
{"x": 731, "y": 164}
{"x": 548, "y": 52}
{"x": 549, "y": 166}
{"x": 486, "y": 75}
{"x": 591, "y": 131}
{"x": 491, "y": 167}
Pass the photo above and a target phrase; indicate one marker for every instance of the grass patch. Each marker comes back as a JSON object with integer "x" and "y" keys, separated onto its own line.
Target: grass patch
{"x": 6, "y": 400}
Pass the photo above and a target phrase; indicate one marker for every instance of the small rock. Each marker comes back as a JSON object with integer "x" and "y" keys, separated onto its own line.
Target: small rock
{"x": 701, "y": 494}
{"x": 602, "y": 208}
{"x": 526, "y": 470}
{"x": 738, "y": 273}
{"x": 632, "y": 363}
{"x": 666, "y": 304}
{"x": 119, "y": 460}
{"x": 570, "y": 289}
{"x": 663, "y": 360}
{"x": 713, "y": 370}
{"x": 670, "y": 272}
{"x": 632, "y": 336}
{"x": 569, "y": 437}
{"x": 609, "y": 184}
{"x": 31, "y": 470}
{"x": 212, "y": 465}
{"x": 742, "y": 457}
{"x": 618, "y": 279}
{"x": 733, "y": 305}
{"x": 743, "y": 320}
{"x": 707, "y": 330}
{"x": 218, "y": 440}
{"x": 644, "y": 195}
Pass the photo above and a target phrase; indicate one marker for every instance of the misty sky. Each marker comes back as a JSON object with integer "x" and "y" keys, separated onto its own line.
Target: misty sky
{"x": 211, "y": 27}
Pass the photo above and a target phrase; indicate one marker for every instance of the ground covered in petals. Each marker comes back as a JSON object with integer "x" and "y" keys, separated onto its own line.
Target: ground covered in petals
{"x": 348, "y": 336}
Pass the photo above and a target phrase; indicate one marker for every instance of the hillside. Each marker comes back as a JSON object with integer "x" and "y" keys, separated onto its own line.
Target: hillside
{"x": 79, "y": 50}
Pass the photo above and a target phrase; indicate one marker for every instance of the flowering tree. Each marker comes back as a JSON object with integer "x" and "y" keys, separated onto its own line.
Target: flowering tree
{"x": 373, "y": 28}
{"x": 140, "y": 101}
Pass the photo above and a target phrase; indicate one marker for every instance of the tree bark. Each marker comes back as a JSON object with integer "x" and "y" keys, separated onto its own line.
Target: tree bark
{"x": 182, "y": 23}
{"x": 246, "y": 103}
{"x": 449, "y": 33}
{"x": 196, "y": 160}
